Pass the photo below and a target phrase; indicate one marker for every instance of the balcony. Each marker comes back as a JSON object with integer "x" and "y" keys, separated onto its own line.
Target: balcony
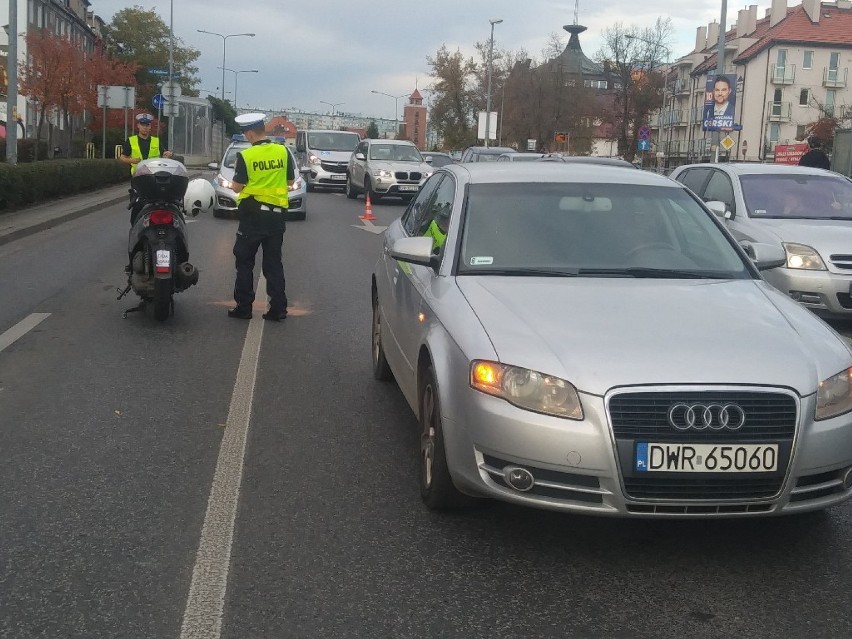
{"x": 834, "y": 78}
{"x": 696, "y": 115}
{"x": 779, "y": 111}
{"x": 673, "y": 118}
{"x": 676, "y": 147}
{"x": 783, "y": 74}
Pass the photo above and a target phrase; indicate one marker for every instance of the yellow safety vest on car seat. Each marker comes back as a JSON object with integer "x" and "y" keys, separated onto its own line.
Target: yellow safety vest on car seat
{"x": 266, "y": 166}
{"x": 136, "y": 152}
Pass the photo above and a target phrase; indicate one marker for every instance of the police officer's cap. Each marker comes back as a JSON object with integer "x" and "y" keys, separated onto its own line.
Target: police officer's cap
{"x": 250, "y": 120}
{"x": 144, "y": 118}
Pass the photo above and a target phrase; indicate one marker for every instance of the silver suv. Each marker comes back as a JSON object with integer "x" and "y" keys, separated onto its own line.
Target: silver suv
{"x": 386, "y": 167}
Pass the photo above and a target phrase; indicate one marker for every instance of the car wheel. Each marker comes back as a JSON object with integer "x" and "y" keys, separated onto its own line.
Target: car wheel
{"x": 381, "y": 370}
{"x": 436, "y": 484}
{"x": 368, "y": 188}
{"x": 351, "y": 193}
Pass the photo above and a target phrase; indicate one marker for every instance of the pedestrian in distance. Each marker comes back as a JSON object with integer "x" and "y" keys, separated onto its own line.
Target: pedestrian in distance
{"x": 142, "y": 146}
{"x": 815, "y": 157}
{"x": 262, "y": 178}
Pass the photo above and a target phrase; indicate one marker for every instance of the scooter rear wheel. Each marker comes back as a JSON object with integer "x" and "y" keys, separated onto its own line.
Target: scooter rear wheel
{"x": 162, "y": 299}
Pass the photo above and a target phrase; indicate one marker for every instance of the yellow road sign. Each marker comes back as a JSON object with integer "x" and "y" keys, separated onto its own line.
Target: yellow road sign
{"x": 728, "y": 143}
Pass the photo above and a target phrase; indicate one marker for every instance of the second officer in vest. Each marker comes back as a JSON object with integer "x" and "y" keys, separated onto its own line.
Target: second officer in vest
{"x": 262, "y": 179}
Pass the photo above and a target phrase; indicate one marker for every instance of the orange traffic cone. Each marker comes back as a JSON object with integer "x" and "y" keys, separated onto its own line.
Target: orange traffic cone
{"x": 368, "y": 210}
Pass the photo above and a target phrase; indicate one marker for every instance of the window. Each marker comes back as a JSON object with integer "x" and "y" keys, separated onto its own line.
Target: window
{"x": 694, "y": 179}
{"x": 413, "y": 217}
{"x": 804, "y": 97}
{"x": 808, "y": 60}
{"x": 829, "y": 102}
{"x": 720, "y": 189}
{"x": 801, "y": 131}
{"x": 774, "y": 132}
{"x": 834, "y": 60}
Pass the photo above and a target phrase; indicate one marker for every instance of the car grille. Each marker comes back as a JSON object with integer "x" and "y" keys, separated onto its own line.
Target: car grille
{"x": 406, "y": 176}
{"x": 643, "y": 416}
{"x": 333, "y": 167}
{"x": 768, "y": 415}
{"x": 843, "y": 262}
{"x": 295, "y": 202}
{"x": 844, "y": 300}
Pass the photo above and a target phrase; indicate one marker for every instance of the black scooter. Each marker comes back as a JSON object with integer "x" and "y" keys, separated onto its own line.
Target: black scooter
{"x": 157, "y": 248}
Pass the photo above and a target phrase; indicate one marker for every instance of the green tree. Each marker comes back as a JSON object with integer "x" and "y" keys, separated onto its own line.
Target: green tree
{"x": 373, "y": 130}
{"x": 140, "y": 36}
{"x": 224, "y": 111}
{"x": 455, "y": 100}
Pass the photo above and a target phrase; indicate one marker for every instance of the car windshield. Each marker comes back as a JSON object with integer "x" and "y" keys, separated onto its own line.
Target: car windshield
{"x": 230, "y": 160}
{"x": 395, "y": 152}
{"x": 610, "y": 230}
{"x": 333, "y": 141}
{"x": 800, "y": 196}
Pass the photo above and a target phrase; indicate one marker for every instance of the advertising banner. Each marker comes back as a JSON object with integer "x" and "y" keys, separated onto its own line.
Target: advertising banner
{"x": 789, "y": 153}
{"x": 720, "y": 102}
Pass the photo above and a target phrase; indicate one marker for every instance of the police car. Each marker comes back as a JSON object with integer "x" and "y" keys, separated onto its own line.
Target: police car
{"x": 226, "y": 199}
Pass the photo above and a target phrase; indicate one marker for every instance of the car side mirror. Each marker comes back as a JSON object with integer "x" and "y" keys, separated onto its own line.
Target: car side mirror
{"x": 415, "y": 250}
{"x": 428, "y": 159}
{"x": 304, "y": 170}
{"x": 720, "y": 209}
{"x": 213, "y": 166}
{"x": 765, "y": 256}
{"x": 360, "y": 156}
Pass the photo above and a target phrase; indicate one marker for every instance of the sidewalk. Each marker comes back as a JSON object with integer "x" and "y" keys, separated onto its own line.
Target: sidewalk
{"x": 23, "y": 222}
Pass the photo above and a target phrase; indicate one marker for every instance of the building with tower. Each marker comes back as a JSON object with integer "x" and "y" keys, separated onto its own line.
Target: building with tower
{"x": 414, "y": 118}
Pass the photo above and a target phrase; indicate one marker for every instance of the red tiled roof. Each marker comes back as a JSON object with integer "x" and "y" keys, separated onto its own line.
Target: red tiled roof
{"x": 416, "y": 95}
{"x": 762, "y": 28}
{"x": 833, "y": 28}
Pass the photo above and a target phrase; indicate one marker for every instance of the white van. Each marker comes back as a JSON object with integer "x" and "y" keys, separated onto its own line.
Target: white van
{"x": 324, "y": 156}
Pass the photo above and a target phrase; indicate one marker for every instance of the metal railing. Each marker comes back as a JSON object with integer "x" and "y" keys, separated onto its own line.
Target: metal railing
{"x": 783, "y": 74}
{"x": 834, "y": 78}
{"x": 779, "y": 111}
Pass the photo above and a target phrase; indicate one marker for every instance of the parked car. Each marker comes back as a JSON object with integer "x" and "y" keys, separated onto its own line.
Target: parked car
{"x": 484, "y": 153}
{"x": 226, "y": 199}
{"x": 586, "y": 159}
{"x": 519, "y": 157}
{"x": 386, "y": 167}
{"x": 594, "y": 341}
{"x": 436, "y": 159}
{"x": 325, "y": 154}
{"x": 807, "y": 211}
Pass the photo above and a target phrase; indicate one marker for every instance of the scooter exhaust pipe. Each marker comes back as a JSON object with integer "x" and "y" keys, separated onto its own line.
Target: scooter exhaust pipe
{"x": 187, "y": 275}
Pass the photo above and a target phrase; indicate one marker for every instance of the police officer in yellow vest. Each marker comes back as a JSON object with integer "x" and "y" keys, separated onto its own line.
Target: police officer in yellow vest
{"x": 262, "y": 179}
{"x": 140, "y": 147}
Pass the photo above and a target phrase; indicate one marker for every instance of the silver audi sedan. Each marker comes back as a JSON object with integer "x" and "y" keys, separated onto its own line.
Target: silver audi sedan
{"x": 595, "y": 341}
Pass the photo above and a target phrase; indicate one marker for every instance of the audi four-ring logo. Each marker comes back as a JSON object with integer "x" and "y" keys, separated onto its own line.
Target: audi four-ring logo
{"x": 706, "y": 416}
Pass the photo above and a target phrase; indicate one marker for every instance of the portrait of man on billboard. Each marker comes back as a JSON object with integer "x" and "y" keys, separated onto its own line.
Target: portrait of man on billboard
{"x": 720, "y": 101}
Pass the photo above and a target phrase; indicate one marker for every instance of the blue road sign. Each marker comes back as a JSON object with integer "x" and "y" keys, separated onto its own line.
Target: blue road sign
{"x": 644, "y": 133}
{"x": 643, "y": 145}
{"x": 159, "y": 101}
{"x": 164, "y": 72}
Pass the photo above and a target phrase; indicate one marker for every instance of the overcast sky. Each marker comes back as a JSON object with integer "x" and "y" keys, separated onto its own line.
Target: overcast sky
{"x": 339, "y": 50}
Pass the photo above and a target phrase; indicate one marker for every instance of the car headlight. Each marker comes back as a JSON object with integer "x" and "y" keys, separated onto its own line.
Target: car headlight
{"x": 834, "y": 396}
{"x": 298, "y": 183}
{"x": 801, "y": 256}
{"x": 225, "y": 184}
{"x": 382, "y": 173}
{"x": 313, "y": 159}
{"x": 527, "y": 389}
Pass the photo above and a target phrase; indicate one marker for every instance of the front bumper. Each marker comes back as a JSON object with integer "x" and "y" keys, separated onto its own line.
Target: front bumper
{"x": 399, "y": 188}
{"x": 226, "y": 203}
{"x": 330, "y": 174}
{"x": 824, "y": 292}
{"x": 586, "y": 467}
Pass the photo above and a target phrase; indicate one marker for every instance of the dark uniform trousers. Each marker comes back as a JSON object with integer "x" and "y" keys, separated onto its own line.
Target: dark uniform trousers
{"x": 260, "y": 228}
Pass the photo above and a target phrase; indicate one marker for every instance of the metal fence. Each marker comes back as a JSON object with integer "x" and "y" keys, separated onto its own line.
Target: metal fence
{"x": 193, "y": 130}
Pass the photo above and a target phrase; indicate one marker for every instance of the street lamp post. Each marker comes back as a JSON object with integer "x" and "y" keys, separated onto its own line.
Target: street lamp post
{"x": 488, "y": 96}
{"x": 395, "y": 108}
{"x": 333, "y": 105}
{"x": 236, "y": 77}
{"x": 12, "y": 89}
{"x": 224, "y": 43}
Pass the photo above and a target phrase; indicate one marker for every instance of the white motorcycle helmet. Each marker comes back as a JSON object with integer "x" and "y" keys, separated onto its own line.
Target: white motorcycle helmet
{"x": 200, "y": 197}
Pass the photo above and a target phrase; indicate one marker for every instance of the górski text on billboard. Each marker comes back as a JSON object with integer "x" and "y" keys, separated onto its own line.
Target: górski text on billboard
{"x": 720, "y": 103}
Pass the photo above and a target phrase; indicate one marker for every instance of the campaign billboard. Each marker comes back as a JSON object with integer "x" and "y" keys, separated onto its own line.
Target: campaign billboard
{"x": 789, "y": 153}
{"x": 720, "y": 103}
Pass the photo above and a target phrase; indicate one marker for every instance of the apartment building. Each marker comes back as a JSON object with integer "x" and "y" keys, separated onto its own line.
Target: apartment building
{"x": 791, "y": 67}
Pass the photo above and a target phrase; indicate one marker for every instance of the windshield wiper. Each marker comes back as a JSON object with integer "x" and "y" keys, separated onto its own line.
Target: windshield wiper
{"x": 536, "y": 272}
{"x": 663, "y": 273}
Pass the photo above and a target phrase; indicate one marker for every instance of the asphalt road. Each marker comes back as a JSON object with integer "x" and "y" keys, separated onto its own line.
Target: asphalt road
{"x": 110, "y": 435}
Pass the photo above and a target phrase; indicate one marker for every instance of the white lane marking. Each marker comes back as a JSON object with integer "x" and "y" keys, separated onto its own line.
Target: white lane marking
{"x": 22, "y": 328}
{"x": 206, "y": 601}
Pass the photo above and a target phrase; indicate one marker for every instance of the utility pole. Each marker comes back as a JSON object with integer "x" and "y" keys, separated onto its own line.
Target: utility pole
{"x": 488, "y": 97}
{"x": 720, "y": 69}
{"x": 12, "y": 90}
